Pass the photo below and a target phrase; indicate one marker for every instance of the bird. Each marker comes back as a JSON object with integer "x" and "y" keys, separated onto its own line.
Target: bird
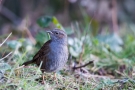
{"x": 53, "y": 55}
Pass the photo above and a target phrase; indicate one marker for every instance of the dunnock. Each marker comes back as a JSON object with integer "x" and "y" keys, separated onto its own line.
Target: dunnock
{"x": 53, "y": 54}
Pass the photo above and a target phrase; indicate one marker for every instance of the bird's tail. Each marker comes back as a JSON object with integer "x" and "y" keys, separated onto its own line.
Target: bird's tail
{"x": 28, "y": 62}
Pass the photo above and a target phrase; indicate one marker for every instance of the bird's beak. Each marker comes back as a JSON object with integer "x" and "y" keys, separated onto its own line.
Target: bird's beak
{"x": 49, "y": 31}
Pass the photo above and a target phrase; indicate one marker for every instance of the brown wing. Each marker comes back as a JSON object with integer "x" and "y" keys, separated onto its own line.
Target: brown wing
{"x": 41, "y": 54}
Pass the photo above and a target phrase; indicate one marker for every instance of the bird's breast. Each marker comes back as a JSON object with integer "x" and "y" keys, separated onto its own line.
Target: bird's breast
{"x": 58, "y": 48}
{"x": 57, "y": 57}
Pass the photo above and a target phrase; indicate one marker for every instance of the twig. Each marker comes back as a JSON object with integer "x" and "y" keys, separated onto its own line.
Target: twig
{"x": 19, "y": 67}
{"x": 5, "y": 56}
{"x": 96, "y": 76}
{"x": 5, "y": 39}
{"x": 83, "y": 65}
{"x": 114, "y": 16}
{"x": 10, "y": 15}
{"x": 119, "y": 72}
{"x": 1, "y": 4}
{"x": 0, "y": 1}
{"x": 30, "y": 36}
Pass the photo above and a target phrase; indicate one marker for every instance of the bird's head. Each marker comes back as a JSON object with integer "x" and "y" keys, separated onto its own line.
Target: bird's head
{"x": 57, "y": 35}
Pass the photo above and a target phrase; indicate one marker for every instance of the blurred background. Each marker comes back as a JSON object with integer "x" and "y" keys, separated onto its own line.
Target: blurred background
{"x": 104, "y": 15}
{"x": 102, "y": 31}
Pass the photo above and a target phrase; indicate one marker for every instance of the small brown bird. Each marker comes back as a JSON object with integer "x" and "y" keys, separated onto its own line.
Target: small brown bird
{"x": 53, "y": 54}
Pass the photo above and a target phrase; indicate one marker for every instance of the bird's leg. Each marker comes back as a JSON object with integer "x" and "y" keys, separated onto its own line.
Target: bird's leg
{"x": 55, "y": 77}
{"x": 43, "y": 79}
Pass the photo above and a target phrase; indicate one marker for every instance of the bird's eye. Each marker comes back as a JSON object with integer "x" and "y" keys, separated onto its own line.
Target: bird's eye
{"x": 56, "y": 33}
